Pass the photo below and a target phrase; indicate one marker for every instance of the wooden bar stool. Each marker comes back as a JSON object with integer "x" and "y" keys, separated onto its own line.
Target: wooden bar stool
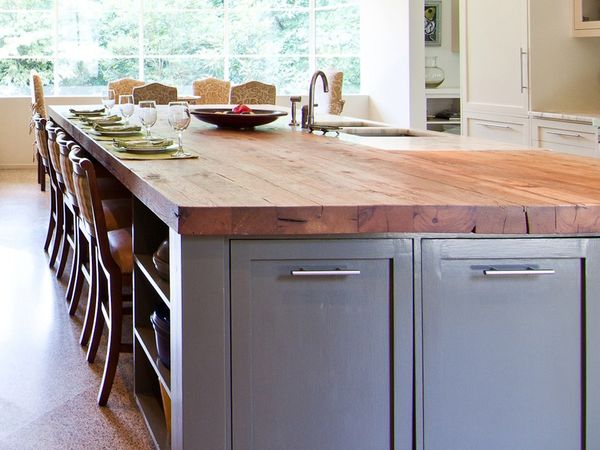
{"x": 53, "y": 153}
{"x": 116, "y": 206}
{"x": 113, "y": 267}
{"x": 41, "y": 139}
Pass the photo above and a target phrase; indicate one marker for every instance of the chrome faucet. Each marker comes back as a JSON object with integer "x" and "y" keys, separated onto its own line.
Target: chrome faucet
{"x": 310, "y": 119}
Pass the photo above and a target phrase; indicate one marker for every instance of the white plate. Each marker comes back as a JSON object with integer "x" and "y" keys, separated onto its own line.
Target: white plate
{"x": 170, "y": 148}
{"x": 115, "y": 133}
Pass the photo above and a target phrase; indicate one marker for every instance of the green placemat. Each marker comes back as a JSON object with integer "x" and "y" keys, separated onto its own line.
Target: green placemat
{"x": 144, "y": 156}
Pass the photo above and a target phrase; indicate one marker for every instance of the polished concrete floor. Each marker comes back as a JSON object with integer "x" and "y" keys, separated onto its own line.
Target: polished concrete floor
{"x": 47, "y": 389}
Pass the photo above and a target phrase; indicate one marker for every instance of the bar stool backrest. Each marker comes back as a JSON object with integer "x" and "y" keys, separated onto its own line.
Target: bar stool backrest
{"x": 160, "y": 93}
{"x": 211, "y": 91}
{"x": 65, "y": 145}
{"x": 41, "y": 138}
{"x": 53, "y": 150}
{"x": 38, "y": 103}
{"x": 253, "y": 93}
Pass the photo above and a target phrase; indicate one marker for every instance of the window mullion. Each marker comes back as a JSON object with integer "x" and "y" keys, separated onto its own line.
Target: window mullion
{"x": 55, "y": 77}
{"x": 312, "y": 37}
{"x": 141, "y": 54}
{"x": 226, "y": 43}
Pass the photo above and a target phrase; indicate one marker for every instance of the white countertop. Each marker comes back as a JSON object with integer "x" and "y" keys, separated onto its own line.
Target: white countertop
{"x": 591, "y": 117}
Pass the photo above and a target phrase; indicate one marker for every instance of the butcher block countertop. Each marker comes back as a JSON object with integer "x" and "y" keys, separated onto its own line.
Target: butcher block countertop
{"x": 279, "y": 181}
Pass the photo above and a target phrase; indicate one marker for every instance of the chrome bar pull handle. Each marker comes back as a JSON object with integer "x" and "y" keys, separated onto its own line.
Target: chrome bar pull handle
{"x": 324, "y": 273}
{"x": 565, "y": 134}
{"x": 494, "y": 125}
{"x": 522, "y": 53}
{"x": 529, "y": 271}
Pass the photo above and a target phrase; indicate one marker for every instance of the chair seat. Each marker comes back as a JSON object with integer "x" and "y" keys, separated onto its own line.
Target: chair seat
{"x": 121, "y": 248}
{"x": 117, "y": 213}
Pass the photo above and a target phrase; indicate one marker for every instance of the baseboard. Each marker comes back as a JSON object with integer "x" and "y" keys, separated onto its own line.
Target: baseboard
{"x": 17, "y": 166}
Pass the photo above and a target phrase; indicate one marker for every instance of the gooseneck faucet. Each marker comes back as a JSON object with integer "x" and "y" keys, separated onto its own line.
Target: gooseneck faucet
{"x": 310, "y": 119}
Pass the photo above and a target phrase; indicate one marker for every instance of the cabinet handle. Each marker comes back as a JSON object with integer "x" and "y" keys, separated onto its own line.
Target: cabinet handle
{"x": 324, "y": 273}
{"x": 522, "y": 53}
{"x": 528, "y": 271}
{"x": 565, "y": 134}
{"x": 494, "y": 125}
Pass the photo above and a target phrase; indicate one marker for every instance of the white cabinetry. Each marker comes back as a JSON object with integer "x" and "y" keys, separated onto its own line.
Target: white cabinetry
{"x": 574, "y": 137}
{"x": 496, "y": 127}
{"x": 494, "y": 63}
{"x": 586, "y": 18}
{"x": 494, "y": 56}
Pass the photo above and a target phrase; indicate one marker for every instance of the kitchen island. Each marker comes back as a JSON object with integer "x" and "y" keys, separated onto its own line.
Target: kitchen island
{"x": 309, "y": 283}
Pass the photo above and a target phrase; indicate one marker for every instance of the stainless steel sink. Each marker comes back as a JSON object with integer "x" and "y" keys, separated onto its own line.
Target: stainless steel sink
{"x": 386, "y": 132}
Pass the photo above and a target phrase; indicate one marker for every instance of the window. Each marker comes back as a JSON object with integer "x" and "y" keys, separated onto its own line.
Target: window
{"x": 80, "y": 45}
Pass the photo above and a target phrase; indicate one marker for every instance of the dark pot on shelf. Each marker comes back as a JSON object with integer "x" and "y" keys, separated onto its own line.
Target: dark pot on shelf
{"x": 162, "y": 332}
{"x": 160, "y": 258}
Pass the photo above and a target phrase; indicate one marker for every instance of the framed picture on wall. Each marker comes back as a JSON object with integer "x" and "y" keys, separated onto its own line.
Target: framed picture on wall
{"x": 433, "y": 23}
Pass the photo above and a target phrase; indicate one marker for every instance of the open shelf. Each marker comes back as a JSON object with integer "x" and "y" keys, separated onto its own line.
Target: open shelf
{"x": 144, "y": 262}
{"x": 447, "y": 100}
{"x": 145, "y": 337}
{"x": 153, "y": 414}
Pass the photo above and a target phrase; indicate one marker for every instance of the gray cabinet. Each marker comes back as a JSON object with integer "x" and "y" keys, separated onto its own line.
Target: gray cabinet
{"x": 321, "y": 344}
{"x": 509, "y": 344}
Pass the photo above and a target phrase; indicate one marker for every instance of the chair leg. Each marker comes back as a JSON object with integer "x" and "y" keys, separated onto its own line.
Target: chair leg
{"x": 76, "y": 279}
{"x": 114, "y": 341}
{"x": 58, "y": 230}
{"x": 51, "y": 220}
{"x": 64, "y": 241}
{"x": 101, "y": 292}
{"x": 90, "y": 311}
{"x": 41, "y": 173}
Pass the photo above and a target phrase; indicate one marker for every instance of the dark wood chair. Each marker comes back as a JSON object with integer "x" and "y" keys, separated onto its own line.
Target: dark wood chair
{"x": 41, "y": 140}
{"x": 113, "y": 267}
{"x": 58, "y": 236}
{"x": 116, "y": 205}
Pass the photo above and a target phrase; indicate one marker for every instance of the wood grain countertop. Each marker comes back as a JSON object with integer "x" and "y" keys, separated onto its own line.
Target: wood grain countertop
{"x": 278, "y": 181}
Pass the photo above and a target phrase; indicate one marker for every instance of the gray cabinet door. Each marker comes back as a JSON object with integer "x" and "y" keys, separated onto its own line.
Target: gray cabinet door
{"x": 316, "y": 361}
{"x": 503, "y": 351}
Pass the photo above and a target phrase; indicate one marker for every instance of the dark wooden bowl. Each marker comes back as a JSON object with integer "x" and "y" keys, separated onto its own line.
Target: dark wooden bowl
{"x": 223, "y": 117}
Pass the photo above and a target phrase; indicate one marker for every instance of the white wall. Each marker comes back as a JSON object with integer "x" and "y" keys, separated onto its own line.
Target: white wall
{"x": 564, "y": 71}
{"x": 448, "y": 60}
{"x": 392, "y": 61}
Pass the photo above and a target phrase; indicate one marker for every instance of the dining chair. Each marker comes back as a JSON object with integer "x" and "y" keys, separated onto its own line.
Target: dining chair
{"x": 59, "y": 245}
{"x": 116, "y": 206}
{"x": 113, "y": 267}
{"x": 124, "y": 86}
{"x": 211, "y": 91}
{"x": 41, "y": 140}
{"x": 38, "y": 106}
{"x": 160, "y": 93}
{"x": 252, "y": 93}
{"x": 331, "y": 102}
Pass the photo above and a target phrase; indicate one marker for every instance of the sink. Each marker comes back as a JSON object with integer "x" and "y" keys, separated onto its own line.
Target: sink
{"x": 346, "y": 123}
{"x": 386, "y": 132}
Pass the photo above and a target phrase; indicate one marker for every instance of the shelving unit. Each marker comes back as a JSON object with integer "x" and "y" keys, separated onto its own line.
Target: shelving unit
{"x": 445, "y": 99}
{"x": 150, "y": 292}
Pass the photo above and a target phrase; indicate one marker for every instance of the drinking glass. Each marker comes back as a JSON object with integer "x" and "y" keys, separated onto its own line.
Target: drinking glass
{"x": 108, "y": 100}
{"x": 126, "y": 106}
{"x": 147, "y": 115}
{"x": 179, "y": 118}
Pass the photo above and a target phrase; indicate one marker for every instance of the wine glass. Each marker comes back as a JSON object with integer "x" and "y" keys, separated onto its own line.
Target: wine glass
{"x": 147, "y": 115}
{"x": 179, "y": 118}
{"x": 108, "y": 100}
{"x": 126, "y": 106}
